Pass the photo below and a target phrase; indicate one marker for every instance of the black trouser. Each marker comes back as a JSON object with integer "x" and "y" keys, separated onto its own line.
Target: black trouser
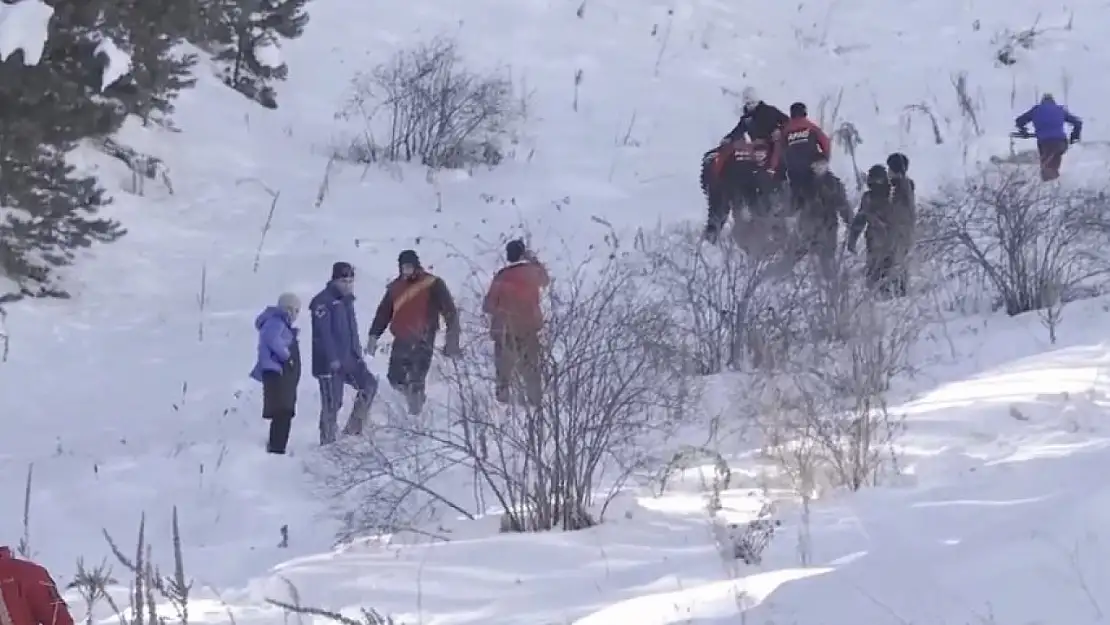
{"x": 803, "y": 187}
{"x": 279, "y": 403}
{"x": 409, "y": 363}
{"x": 279, "y": 433}
{"x": 886, "y": 272}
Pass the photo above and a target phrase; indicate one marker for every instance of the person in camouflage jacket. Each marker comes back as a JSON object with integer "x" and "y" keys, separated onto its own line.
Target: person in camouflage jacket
{"x": 887, "y": 219}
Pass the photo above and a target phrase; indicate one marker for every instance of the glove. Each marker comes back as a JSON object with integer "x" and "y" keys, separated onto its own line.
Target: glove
{"x": 371, "y": 345}
{"x": 1074, "y": 138}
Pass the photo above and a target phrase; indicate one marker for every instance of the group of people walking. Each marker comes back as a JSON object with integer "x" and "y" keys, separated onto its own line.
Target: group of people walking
{"x": 411, "y": 309}
{"x": 774, "y": 164}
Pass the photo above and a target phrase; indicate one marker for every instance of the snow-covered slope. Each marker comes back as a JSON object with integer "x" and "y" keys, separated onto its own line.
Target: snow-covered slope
{"x": 133, "y": 397}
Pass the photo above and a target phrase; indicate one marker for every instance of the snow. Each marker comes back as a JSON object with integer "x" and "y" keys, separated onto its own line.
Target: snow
{"x": 23, "y": 26}
{"x": 132, "y": 397}
{"x": 118, "y": 62}
{"x": 267, "y": 53}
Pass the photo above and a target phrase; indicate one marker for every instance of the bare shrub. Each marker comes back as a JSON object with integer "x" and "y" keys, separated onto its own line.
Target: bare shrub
{"x": 24, "y": 546}
{"x": 148, "y": 589}
{"x": 969, "y": 109}
{"x": 367, "y": 616}
{"x": 148, "y": 585}
{"x": 825, "y": 415}
{"x": 924, "y": 110}
{"x": 713, "y": 293}
{"x": 847, "y": 135}
{"x": 749, "y": 540}
{"x": 1009, "y": 43}
{"x": 5, "y": 338}
{"x": 1034, "y": 243}
{"x": 423, "y": 105}
{"x": 609, "y": 392}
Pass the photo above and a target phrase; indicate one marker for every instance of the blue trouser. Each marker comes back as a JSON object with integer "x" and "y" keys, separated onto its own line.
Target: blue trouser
{"x": 331, "y": 400}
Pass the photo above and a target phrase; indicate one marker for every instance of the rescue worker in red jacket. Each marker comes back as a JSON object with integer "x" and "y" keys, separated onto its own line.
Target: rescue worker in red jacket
{"x": 411, "y": 308}
{"x": 802, "y": 144}
{"x": 516, "y": 318}
{"x": 28, "y": 595}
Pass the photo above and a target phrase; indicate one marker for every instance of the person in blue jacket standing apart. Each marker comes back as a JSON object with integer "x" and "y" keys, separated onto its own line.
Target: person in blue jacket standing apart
{"x": 1048, "y": 119}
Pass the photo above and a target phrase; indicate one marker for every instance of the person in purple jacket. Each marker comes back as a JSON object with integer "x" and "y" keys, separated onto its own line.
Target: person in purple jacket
{"x": 278, "y": 368}
{"x": 1048, "y": 119}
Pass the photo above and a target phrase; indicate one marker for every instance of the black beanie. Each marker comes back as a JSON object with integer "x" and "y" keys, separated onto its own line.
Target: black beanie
{"x": 408, "y": 257}
{"x": 898, "y": 163}
{"x": 342, "y": 270}
{"x": 798, "y": 109}
{"x": 877, "y": 176}
{"x": 514, "y": 250}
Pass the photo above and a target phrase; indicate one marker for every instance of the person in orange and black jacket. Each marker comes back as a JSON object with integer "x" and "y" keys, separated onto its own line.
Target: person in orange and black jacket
{"x": 516, "y": 318}
{"x": 802, "y": 144}
{"x": 411, "y": 308}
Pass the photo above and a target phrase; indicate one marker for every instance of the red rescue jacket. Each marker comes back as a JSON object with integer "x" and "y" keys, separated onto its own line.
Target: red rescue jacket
{"x": 513, "y": 299}
{"x": 801, "y": 142}
{"x": 28, "y": 595}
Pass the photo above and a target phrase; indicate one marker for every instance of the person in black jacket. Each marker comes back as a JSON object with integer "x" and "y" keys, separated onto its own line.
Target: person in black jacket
{"x": 278, "y": 367}
{"x": 760, "y": 121}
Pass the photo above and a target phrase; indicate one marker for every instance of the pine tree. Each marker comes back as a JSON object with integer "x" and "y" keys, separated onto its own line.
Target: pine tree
{"x": 151, "y": 31}
{"x": 244, "y": 32}
{"x": 49, "y": 209}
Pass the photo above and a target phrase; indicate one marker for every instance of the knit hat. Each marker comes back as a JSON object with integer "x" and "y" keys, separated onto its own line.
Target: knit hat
{"x": 341, "y": 270}
{"x": 408, "y": 257}
{"x": 514, "y": 250}
{"x": 289, "y": 302}
{"x": 798, "y": 110}
{"x": 750, "y": 97}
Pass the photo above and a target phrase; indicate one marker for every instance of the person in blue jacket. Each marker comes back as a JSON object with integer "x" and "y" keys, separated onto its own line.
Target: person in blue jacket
{"x": 1048, "y": 119}
{"x": 337, "y": 360}
{"x": 278, "y": 368}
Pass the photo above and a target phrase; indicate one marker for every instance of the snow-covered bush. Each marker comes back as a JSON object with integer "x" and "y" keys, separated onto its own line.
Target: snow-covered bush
{"x": 424, "y": 105}
{"x": 714, "y": 292}
{"x": 1036, "y": 244}
{"x": 1009, "y": 44}
{"x": 610, "y": 395}
{"x": 824, "y": 413}
{"x": 747, "y": 541}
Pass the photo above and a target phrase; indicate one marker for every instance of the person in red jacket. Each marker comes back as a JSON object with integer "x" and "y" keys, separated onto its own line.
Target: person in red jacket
{"x": 516, "y": 318}
{"x": 802, "y": 144}
{"x": 28, "y": 595}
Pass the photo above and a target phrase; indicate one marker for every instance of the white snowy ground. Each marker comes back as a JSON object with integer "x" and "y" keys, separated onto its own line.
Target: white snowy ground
{"x": 133, "y": 396}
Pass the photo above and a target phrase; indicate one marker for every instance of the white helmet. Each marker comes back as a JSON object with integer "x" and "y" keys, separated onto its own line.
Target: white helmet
{"x": 750, "y": 97}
